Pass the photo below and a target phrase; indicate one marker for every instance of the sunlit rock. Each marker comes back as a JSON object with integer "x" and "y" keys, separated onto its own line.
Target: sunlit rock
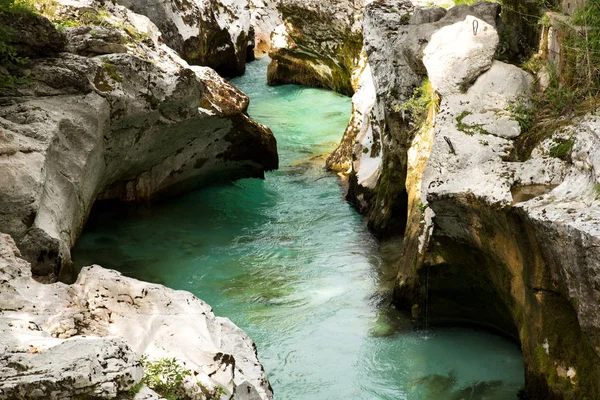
{"x": 213, "y": 33}
{"x": 86, "y": 339}
{"x": 130, "y": 125}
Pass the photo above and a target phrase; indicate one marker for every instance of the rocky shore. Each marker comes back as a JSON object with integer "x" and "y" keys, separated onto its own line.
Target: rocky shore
{"x": 98, "y": 103}
{"x": 108, "y": 111}
{"x": 86, "y": 340}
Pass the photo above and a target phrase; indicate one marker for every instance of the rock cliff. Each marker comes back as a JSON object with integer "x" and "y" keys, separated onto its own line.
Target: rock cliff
{"x": 318, "y": 44}
{"x": 212, "y": 33}
{"x": 493, "y": 239}
{"x": 395, "y": 38}
{"x": 85, "y": 340}
{"x": 110, "y": 112}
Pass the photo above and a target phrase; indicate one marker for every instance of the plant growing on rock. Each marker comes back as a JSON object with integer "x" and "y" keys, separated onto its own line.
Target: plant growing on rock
{"x": 423, "y": 102}
{"x": 561, "y": 148}
{"x": 165, "y": 376}
{"x": 9, "y": 59}
{"x": 523, "y": 114}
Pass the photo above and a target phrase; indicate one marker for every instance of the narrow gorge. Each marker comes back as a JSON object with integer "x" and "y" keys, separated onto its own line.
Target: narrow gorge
{"x": 374, "y": 199}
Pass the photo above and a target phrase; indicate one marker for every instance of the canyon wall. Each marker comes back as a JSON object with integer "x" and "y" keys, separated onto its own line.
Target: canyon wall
{"x": 108, "y": 111}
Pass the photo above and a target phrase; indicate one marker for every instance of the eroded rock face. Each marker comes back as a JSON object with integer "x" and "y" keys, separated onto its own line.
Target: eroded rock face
{"x": 265, "y": 18}
{"x": 86, "y": 339}
{"x": 213, "y": 33}
{"x": 125, "y": 125}
{"x": 503, "y": 243}
{"x": 395, "y": 38}
{"x": 318, "y": 44}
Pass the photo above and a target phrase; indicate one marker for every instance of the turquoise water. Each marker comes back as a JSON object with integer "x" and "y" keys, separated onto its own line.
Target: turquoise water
{"x": 291, "y": 263}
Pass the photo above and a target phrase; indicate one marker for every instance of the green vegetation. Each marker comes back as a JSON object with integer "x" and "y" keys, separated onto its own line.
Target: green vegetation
{"x": 136, "y": 388}
{"x": 423, "y": 102}
{"x": 9, "y": 59}
{"x": 573, "y": 87}
{"x": 584, "y": 54}
{"x": 18, "y": 6}
{"x": 467, "y": 2}
{"x": 545, "y": 21}
{"x": 111, "y": 70}
{"x": 523, "y": 114}
{"x": 561, "y": 148}
{"x": 165, "y": 376}
{"x": 597, "y": 190}
{"x": 469, "y": 129}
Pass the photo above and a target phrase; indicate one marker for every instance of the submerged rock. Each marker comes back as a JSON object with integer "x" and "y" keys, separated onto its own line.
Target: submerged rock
{"x": 130, "y": 125}
{"x": 85, "y": 340}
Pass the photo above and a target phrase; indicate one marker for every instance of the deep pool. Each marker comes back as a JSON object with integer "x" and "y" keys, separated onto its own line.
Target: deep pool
{"x": 291, "y": 263}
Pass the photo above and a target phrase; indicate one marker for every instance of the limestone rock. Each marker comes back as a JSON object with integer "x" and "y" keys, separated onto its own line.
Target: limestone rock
{"x": 318, "y": 44}
{"x": 395, "y": 37}
{"x": 32, "y": 35}
{"x": 459, "y": 53}
{"x": 515, "y": 238}
{"x": 93, "y": 367}
{"x": 213, "y": 33}
{"x": 129, "y": 126}
{"x": 265, "y": 18}
{"x": 85, "y": 339}
{"x": 359, "y": 131}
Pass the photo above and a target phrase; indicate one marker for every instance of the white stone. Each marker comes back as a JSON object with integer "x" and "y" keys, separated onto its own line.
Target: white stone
{"x": 103, "y": 357}
{"x": 459, "y": 53}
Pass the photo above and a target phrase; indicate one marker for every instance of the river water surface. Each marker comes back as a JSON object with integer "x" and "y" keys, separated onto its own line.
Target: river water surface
{"x": 292, "y": 264}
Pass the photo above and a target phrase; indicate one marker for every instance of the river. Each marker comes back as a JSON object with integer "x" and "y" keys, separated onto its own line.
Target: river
{"x": 292, "y": 264}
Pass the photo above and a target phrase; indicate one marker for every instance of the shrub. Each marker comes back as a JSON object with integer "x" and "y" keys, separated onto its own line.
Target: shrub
{"x": 165, "y": 376}
{"x": 561, "y": 148}
{"x": 9, "y": 59}
{"x": 423, "y": 102}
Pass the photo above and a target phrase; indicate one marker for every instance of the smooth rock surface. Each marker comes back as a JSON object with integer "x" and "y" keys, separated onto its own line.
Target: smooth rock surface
{"x": 444, "y": 57}
{"x": 85, "y": 339}
{"x": 213, "y": 33}
{"x": 129, "y": 126}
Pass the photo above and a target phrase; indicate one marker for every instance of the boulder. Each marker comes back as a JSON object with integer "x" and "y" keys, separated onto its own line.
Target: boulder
{"x": 459, "y": 53}
{"x": 212, "y": 33}
{"x": 126, "y": 126}
{"x": 32, "y": 35}
{"x": 85, "y": 340}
